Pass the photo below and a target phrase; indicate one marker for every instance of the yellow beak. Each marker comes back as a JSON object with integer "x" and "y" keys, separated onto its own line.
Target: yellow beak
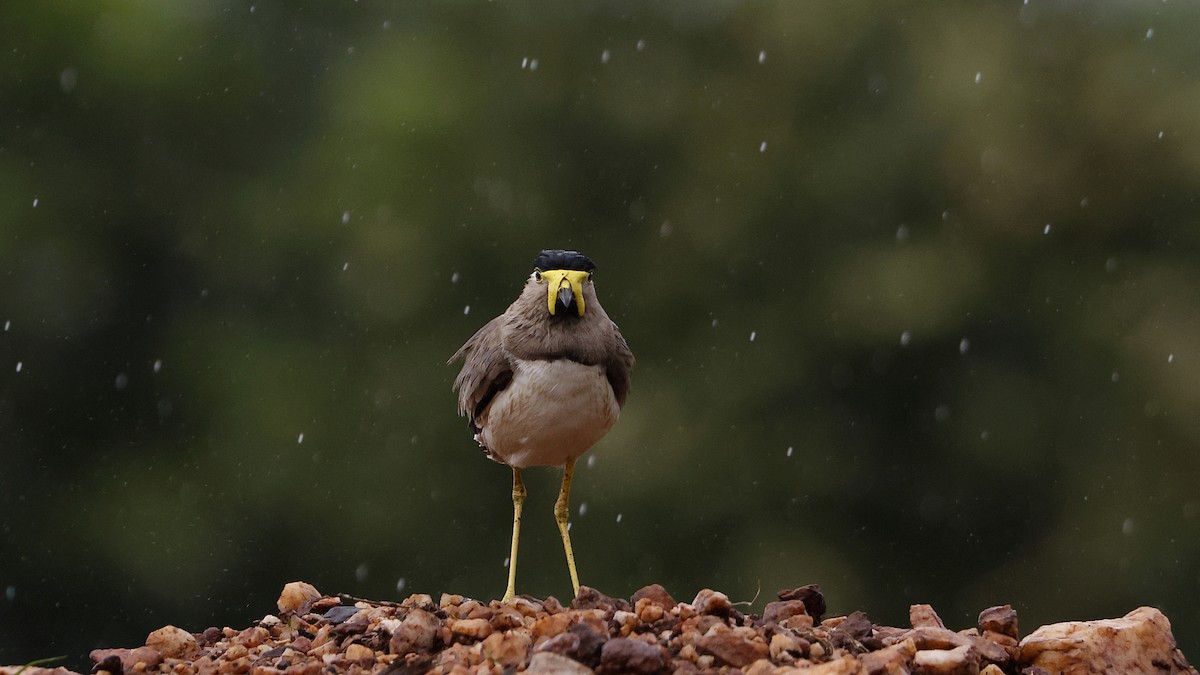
{"x": 567, "y": 282}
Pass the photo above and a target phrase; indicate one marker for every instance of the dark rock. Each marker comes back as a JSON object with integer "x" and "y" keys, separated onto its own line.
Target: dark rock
{"x": 340, "y": 613}
{"x": 590, "y": 598}
{"x": 811, "y": 596}
{"x": 111, "y": 664}
{"x": 129, "y": 657}
{"x": 854, "y": 634}
{"x": 625, "y": 655}
{"x": 1000, "y": 619}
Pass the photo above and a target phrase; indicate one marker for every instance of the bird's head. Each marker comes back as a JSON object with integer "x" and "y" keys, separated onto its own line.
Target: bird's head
{"x": 564, "y": 273}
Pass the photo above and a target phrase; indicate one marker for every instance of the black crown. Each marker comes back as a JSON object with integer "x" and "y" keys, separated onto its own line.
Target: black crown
{"x": 554, "y": 259}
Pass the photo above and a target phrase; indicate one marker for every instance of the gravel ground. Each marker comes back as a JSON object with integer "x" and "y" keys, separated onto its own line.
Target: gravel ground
{"x": 314, "y": 634}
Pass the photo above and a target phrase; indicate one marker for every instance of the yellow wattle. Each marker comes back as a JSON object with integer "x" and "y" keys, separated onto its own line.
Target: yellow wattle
{"x": 554, "y": 281}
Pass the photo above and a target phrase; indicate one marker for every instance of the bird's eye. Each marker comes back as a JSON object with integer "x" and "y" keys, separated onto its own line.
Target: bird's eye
{"x": 537, "y": 274}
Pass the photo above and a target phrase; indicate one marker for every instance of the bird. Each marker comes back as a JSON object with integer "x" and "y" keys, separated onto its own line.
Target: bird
{"x": 543, "y": 382}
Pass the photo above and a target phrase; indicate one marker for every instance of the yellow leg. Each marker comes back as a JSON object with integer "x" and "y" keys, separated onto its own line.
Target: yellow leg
{"x": 518, "y": 495}
{"x": 562, "y": 511}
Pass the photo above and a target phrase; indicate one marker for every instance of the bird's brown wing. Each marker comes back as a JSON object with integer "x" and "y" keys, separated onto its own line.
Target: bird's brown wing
{"x": 486, "y": 370}
{"x": 619, "y": 366}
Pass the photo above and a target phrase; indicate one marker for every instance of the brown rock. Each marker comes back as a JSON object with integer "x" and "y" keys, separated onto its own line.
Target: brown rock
{"x": 810, "y": 595}
{"x": 508, "y": 649}
{"x": 991, "y": 669}
{"x": 252, "y": 637}
{"x": 549, "y": 663}
{"x": 549, "y": 626}
{"x": 784, "y": 645}
{"x": 148, "y": 656}
{"x": 656, "y": 594}
{"x": 626, "y": 655}
{"x": 847, "y": 665}
{"x": 712, "y": 602}
{"x": 776, "y": 612}
{"x": 1000, "y": 619}
{"x": 890, "y": 660}
{"x": 732, "y": 648}
{"x": 1139, "y": 642}
{"x": 932, "y": 638}
{"x": 962, "y": 660}
{"x": 923, "y": 616}
{"x": 171, "y": 642}
{"x": 417, "y": 633}
{"x": 360, "y": 654}
{"x": 760, "y": 667}
{"x": 473, "y": 629}
{"x": 648, "y": 612}
{"x": 590, "y": 598}
{"x": 297, "y": 597}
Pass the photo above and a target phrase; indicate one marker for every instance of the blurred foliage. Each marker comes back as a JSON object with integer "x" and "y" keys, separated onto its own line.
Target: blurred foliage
{"x": 914, "y": 288}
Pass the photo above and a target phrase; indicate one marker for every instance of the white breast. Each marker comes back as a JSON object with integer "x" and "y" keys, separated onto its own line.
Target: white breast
{"x": 552, "y": 411}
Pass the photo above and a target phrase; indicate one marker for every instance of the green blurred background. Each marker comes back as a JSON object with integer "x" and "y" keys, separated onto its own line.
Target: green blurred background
{"x": 914, "y": 290}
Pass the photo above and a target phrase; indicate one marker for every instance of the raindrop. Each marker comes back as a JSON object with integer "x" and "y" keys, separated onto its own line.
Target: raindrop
{"x": 1127, "y": 527}
{"x": 533, "y": 64}
{"x": 387, "y": 24}
{"x": 789, "y": 451}
{"x": 902, "y": 233}
{"x": 641, "y": 44}
{"x": 964, "y": 345}
{"x": 360, "y": 572}
{"x": 714, "y": 323}
{"x": 583, "y": 509}
{"x": 618, "y": 517}
{"x": 67, "y": 80}
{"x": 753, "y": 334}
{"x": 1149, "y": 33}
{"x": 7, "y": 325}
{"x": 1160, "y": 135}
{"x": 19, "y": 366}
{"x": 941, "y": 413}
{"x": 300, "y": 438}
{"x": 1083, "y": 203}
{"x": 466, "y": 310}
{"x": 524, "y": 62}
{"x": 506, "y": 562}
{"x": 35, "y": 202}
{"x": 762, "y": 57}
{"x": 1170, "y": 358}
{"x": 591, "y": 461}
{"x": 454, "y": 278}
{"x": 605, "y": 56}
{"x": 1116, "y": 377}
{"x": 10, "y": 593}
{"x": 157, "y": 366}
{"x": 762, "y": 147}
{"x": 251, "y": 9}
{"x": 664, "y": 230}
{"x": 905, "y": 338}
{"x": 1046, "y": 230}
{"x": 345, "y": 217}
{"x": 984, "y": 435}
{"x": 400, "y": 584}
{"x": 121, "y": 381}
{"x": 978, "y": 76}
{"x": 1110, "y": 265}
